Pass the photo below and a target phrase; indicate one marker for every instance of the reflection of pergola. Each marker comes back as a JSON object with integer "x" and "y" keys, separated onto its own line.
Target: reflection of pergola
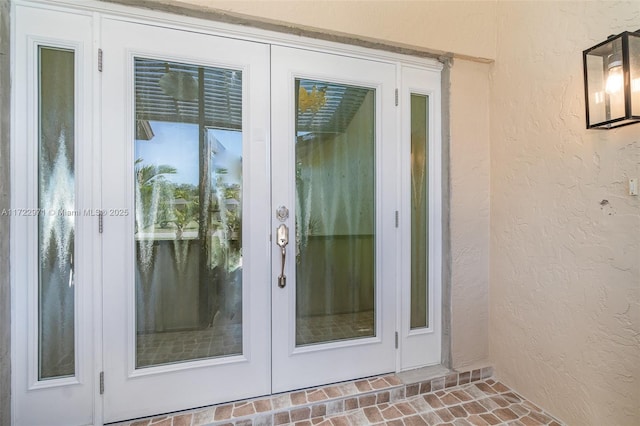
{"x": 157, "y": 101}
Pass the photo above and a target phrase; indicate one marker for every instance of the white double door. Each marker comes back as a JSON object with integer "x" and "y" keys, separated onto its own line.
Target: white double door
{"x": 214, "y": 151}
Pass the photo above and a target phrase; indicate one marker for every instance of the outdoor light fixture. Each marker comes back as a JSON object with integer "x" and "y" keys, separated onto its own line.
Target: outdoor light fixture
{"x": 612, "y": 81}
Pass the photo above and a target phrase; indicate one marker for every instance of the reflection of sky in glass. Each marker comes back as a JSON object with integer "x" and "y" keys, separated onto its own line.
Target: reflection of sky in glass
{"x": 176, "y": 144}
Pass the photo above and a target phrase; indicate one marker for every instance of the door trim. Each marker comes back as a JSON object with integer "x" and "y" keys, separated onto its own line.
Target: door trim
{"x": 96, "y": 10}
{"x": 225, "y": 25}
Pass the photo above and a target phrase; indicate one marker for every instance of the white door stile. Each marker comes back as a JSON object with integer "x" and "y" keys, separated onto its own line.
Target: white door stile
{"x": 62, "y": 400}
{"x": 400, "y": 217}
{"x": 97, "y": 272}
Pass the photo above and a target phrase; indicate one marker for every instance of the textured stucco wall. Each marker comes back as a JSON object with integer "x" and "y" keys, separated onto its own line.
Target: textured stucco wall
{"x": 5, "y": 305}
{"x": 463, "y": 27}
{"x": 469, "y": 213}
{"x": 564, "y": 271}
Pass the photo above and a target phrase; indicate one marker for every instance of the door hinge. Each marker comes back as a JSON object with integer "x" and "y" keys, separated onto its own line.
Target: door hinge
{"x": 101, "y": 382}
{"x": 396, "y": 95}
{"x": 100, "y": 60}
{"x": 396, "y": 340}
{"x": 397, "y": 218}
{"x": 100, "y": 225}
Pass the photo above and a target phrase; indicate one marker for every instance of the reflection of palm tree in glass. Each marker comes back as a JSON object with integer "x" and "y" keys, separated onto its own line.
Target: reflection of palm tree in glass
{"x": 154, "y": 194}
{"x": 186, "y": 213}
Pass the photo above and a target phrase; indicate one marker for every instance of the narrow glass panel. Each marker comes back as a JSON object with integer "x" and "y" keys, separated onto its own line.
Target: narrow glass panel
{"x": 419, "y": 211}
{"x": 188, "y": 212}
{"x": 596, "y": 92}
{"x": 605, "y": 82}
{"x": 56, "y": 200}
{"x": 634, "y": 73}
{"x": 614, "y": 86}
{"x": 335, "y": 212}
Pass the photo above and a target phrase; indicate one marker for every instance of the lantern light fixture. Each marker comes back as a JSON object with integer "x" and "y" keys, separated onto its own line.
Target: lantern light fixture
{"x": 612, "y": 81}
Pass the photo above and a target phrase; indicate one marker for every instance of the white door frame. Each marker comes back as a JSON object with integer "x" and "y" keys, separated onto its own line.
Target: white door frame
{"x": 87, "y": 15}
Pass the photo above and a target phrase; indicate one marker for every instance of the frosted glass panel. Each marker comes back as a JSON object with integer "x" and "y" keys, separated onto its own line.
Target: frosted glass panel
{"x": 419, "y": 211}
{"x": 335, "y": 212}
{"x": 188, "y": 212}
{"x": 57, "y": 219}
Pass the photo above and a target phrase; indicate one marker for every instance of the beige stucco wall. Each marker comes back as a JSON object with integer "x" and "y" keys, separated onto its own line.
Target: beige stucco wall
{"x": 469, "y": 214}
{"x": 463, "y": 27}
{"x": 565, "y": 277}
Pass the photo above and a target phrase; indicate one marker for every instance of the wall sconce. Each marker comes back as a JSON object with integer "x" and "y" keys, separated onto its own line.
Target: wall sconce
{"x": 612, "y": 81}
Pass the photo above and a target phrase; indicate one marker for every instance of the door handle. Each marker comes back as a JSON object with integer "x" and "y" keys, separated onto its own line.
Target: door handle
{"x": 282, "y": 239}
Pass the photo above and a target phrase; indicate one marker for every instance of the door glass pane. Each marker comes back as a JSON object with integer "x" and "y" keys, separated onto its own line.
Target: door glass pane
{"x": 335, "y": 212}
{"x": 56, "y": 221}
{"x": 188, "y": 212}
{"x": 419, "y": 211}
{"x": 634, "y": 73}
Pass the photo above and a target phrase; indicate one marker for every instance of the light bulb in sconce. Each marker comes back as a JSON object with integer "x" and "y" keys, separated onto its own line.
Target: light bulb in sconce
{"x": 615, "y": 79}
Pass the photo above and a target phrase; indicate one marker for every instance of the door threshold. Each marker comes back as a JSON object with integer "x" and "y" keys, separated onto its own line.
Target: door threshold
{"x": 423, "y": 373}
{"x": 306, "y": 404}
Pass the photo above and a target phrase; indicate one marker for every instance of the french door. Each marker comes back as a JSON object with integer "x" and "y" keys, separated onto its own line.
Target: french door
{"x": 186, "y": 222}
{"x": 191, "y": 298}
{"x": 215, "y": 218}
{"x": 332, "y": 169}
